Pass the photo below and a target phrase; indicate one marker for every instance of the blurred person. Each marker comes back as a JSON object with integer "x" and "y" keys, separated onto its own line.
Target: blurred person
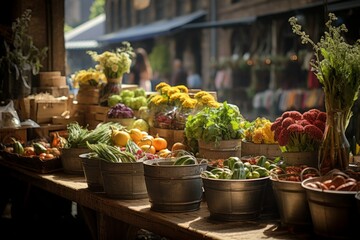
{"x": 141, "y": 72}
{"x": 179, "y": 76}
{"x": 194, "y": 80}
{"x": 223, "y": 83}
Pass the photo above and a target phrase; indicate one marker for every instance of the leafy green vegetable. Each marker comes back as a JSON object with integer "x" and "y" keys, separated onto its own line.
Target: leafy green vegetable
{"x": 214, "y": 124}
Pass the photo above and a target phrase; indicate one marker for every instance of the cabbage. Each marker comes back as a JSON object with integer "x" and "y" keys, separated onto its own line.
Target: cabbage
{"x": 120, "y": 111}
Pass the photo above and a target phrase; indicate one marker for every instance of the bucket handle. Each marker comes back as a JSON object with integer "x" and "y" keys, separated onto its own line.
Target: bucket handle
{"x": 274, "y": 174}
{"x": 307, "y": 169}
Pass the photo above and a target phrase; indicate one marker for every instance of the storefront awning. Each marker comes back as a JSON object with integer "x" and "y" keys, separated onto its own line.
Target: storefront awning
{"x": 83, "y": 36}
{"x": 89, "y": 30}
{"x": 221, "y": 23}
{"x": 159, "y": 28}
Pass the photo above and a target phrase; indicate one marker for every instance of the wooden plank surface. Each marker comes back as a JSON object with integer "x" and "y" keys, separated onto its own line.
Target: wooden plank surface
{"x": 189, "y": 225}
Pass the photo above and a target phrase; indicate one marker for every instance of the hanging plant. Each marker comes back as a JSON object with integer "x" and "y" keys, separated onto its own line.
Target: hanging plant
{"x": 21, "y": 60}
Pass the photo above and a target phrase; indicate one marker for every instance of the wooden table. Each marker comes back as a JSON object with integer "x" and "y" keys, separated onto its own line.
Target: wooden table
{"x": 111, "y": 218}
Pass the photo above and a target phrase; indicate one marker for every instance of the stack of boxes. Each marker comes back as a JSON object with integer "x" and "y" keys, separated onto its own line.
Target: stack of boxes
{"x": 52, "y": 83}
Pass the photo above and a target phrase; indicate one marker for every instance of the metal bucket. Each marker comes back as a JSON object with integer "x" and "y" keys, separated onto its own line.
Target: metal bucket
{"x": 233, "y": 200}
{"x": 123, "y": 180}
{"x": 91, "y": 166}
{"x": 357, "y": 196}
{"x": 292, "y": 202}
{"x": 173, "y": 188}
{"x": 220, "y": 150}
{"x": 71, "y": 161}
{"x": 333, "y": 212}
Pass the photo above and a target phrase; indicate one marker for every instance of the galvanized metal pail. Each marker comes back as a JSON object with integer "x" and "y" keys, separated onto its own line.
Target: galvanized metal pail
{"x": 173, "y": 188}
{"x": 91, "y": 167}
{"x": 292, "y": 202}
{"x": 71, "y": 161}
{"x": 333, "y": 213}
{"x": 123, "y": 180}
{"x": 233, "y": 200}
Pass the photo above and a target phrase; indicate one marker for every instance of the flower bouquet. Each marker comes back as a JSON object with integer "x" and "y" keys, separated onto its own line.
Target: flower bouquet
{"x": 300, "y": 133}
{"x": 259, "y": 139}
{"x": 113, "y": 64}
{"x": 337, "y": 66}
{"x": 90, "y": 77}
{"x": 171, "y": 105}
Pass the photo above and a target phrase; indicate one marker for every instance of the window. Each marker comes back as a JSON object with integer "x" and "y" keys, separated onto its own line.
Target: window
{"x": 179, "y": 7}
{"x": 159, "y": 9}
{"x": 194, "y": 5}
{"x": 142, "y": 16}
{"x": 128, "y": 13}
{"x": 120, "y": 14}
{"x": 112, "y": 16}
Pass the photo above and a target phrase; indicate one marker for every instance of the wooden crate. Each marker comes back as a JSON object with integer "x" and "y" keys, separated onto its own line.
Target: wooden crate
{"x": 19, "y": 134}
{"x": 55, "y": 91}
{"x": 46, "y": 130}
{"x": 42, "y": 111}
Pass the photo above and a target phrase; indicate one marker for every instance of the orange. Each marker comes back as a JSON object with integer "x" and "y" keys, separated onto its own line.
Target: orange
{"x": 120, "y": 138}
{"x": 178, "y": 146}
{"x": 164, "y": 153}
{"x": 144, "y": 134}
{"x": 146, "y": 141}
{"x": 135, "y": 134}
{"x": 159, "y": 143}
{"x": 148, "y": 148}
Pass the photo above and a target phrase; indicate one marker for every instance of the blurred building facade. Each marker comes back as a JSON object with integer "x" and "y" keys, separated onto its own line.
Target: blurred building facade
{"x": 252, "y": 39}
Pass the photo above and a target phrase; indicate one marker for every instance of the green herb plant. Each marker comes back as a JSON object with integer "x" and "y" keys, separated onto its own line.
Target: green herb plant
{"x": 337, "y": 66}
{"x": 214, "y": 125}
{"x": 21, "y": 55}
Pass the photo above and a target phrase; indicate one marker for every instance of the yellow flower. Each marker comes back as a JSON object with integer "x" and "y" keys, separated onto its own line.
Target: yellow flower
{"x": 258, "y": 136}
{"x": 182, "y": 88}
{"x": 172, "y": 90}
{"x": 88, "y": 77}
{"x": 213, "y": 104}
{"x": 161, "y": 85}
{"x": 200, "y": 94}
{"x": 189, "y": 103}
{"x": 207, "y": 98}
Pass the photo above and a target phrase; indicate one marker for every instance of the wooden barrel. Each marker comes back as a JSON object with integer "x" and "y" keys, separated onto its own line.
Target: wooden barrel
{"x": 220, "y": 150}
{"x": 259, "y": 149}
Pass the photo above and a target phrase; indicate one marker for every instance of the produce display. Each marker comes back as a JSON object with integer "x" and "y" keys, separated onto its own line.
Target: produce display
{"x": 335, "y": 181}
{"x": 234, "y": 168}
{"x": 214, "y": 124}
{"x": 259, "y": 131}
{"x": 120, "y": 111}
{"x": 171, "y": 105}
{"x": 41, "y": 149}
{"x": 296, "y": 132}
{"x": 134, "y": 99}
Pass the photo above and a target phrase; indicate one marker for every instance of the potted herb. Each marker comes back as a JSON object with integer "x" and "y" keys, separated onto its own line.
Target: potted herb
{"x": 216, "y": 132}
{"x": 337, "y": 66}
{"x": 21, "y": 60}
